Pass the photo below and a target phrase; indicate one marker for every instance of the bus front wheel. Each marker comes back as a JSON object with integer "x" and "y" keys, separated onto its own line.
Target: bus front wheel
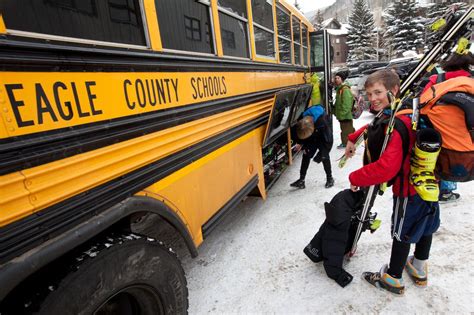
{"x": 126, "y": 274}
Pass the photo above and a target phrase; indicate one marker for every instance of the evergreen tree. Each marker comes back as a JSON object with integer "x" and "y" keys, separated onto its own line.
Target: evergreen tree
{"x": 360, "y": 38}
{"x": 318, "y": 20}
{"x": 404, "y": 28}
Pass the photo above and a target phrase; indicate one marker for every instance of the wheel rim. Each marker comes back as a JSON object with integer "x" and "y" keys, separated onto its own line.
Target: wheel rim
{"x": 136, "y": 299}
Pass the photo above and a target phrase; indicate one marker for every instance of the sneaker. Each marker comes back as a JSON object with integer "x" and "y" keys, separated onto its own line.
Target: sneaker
{"x": 383, "y": 280}
{"x": 449, "y": 197}
{"x": 298, "y": 184}
{"x": 341, "y": 146}
{"x": 329, "y": 182}
{"x": 420, "y": 277}
{"x": 313, "y": 253}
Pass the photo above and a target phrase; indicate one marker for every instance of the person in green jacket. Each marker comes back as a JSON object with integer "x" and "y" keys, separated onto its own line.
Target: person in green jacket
{"x": 316, "y": 92}
{"x": 343, "y": 107}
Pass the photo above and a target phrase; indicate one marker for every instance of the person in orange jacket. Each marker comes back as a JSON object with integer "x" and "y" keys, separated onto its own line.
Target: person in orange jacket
{"x": 457, "y": 65}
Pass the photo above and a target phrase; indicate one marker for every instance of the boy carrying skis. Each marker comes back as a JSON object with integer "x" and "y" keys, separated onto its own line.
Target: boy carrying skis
{"x": 414, "y": 220}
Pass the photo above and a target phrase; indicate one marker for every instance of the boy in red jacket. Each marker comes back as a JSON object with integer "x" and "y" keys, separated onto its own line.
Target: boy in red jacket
{"x": 413, "y": 219}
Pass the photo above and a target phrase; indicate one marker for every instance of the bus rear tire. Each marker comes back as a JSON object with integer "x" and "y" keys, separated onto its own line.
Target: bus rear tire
{"x": 121, "y": 275}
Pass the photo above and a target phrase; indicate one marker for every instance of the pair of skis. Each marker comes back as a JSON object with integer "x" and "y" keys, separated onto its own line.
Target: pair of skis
{"x": 462, "y": 27}
{"x": 395, "y": 105}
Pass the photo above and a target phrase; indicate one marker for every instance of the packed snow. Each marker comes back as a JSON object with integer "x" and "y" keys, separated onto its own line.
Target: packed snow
{"x": 254, "y": 263}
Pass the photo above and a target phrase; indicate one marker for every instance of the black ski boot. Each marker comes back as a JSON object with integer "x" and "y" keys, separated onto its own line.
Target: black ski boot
{"x": 329, "y": 182}
{"x": 298, "y": 184}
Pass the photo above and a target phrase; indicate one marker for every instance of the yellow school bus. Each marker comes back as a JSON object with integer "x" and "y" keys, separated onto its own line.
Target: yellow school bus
{"x": 115, "y": 111}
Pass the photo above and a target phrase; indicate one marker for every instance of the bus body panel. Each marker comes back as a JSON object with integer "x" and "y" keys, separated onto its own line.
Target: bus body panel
{"x": 200, "y": 189}
{"x": 57, "y": 181}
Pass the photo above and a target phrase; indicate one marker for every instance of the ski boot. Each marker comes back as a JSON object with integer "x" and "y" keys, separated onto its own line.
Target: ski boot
{"x": 420, "y": 277}
{"x": 329, "y": 182}
{"x": 383, "y": 280}
{"x": 298, "y": 184}
{"x": 423, "y": 162}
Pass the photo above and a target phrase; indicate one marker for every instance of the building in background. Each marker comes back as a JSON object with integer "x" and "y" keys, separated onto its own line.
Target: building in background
{"x": 338, "y": 34}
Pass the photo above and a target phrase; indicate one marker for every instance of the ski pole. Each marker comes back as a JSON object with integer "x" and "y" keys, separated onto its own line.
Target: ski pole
{"x": 394, "y": 105}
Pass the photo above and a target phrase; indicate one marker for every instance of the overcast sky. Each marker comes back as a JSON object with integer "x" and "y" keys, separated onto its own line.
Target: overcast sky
{"x": 311, "y": 5}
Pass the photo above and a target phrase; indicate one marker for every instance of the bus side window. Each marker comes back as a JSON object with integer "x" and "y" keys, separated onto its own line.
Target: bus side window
{"x": 305, "y": 44}
{"x": 185, "y": 25}
{"x": 116, "y": 21}
{"x": 297, "y": 40}
{"x": 284, "y": 35}
{"x": 234, "y": 28}
{"x": 262, "y": 13}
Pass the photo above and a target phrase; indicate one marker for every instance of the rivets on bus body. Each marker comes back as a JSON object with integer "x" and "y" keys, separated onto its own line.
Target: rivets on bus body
{"x": 5, "y": 110}
{"x": 33, "y": 198}
{"x": 9, "y": 119}
{"x": 250, "y": 169}
{"x": 11, "y": 129}
{"x": 29, "y": 183}
{"x": 2, "y": 101}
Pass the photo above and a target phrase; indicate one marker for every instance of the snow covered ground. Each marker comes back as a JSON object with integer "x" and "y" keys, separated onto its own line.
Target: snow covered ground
{"x": 254, "y": 262}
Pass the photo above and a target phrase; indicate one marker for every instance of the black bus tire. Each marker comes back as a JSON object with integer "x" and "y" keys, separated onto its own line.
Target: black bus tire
{"x": 121, "y": 275}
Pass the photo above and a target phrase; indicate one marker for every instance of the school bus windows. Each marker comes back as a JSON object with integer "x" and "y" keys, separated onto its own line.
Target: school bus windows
{"x": 262, "y": 13}
{"x": 296, "y": 40}
{"x": 234, "y": 28}
{"x": 304, "y": 31}
{"x": 284, "y": 35}
{"x": 117, "y": 21}
{"x": 185, "y": 25}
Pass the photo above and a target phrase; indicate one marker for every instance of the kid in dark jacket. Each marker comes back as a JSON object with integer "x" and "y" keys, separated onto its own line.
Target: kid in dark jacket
{"x": 314, "y": 134}
{"x": 413, "y": 219}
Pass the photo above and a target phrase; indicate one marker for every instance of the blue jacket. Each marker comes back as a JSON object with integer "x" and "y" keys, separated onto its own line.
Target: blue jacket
{"x": 316, "y": 112}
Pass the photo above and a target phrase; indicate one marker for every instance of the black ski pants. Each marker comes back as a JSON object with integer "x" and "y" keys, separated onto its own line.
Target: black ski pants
{"x": 309, "y": 150}
{"x": 400, "y": 251}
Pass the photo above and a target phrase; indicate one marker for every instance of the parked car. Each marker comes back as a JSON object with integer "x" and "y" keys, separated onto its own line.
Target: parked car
{"x": 372, "y": 65}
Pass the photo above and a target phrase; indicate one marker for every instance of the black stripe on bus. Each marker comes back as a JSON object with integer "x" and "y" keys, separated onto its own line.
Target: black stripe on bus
{"x": 35, "y": 149}
{"x": 20, "y": 236}
{"x": 31, "y": 56}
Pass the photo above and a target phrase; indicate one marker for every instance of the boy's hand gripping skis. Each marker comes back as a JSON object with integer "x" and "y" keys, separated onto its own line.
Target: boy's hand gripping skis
{"x": 395, "y": 105}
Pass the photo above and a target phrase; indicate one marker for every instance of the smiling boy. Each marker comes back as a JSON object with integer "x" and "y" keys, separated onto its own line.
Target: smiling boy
{"x": 413, "y": 219}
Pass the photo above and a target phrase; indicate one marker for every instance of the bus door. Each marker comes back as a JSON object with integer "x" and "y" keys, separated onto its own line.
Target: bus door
{"x": 321, "y": 58}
